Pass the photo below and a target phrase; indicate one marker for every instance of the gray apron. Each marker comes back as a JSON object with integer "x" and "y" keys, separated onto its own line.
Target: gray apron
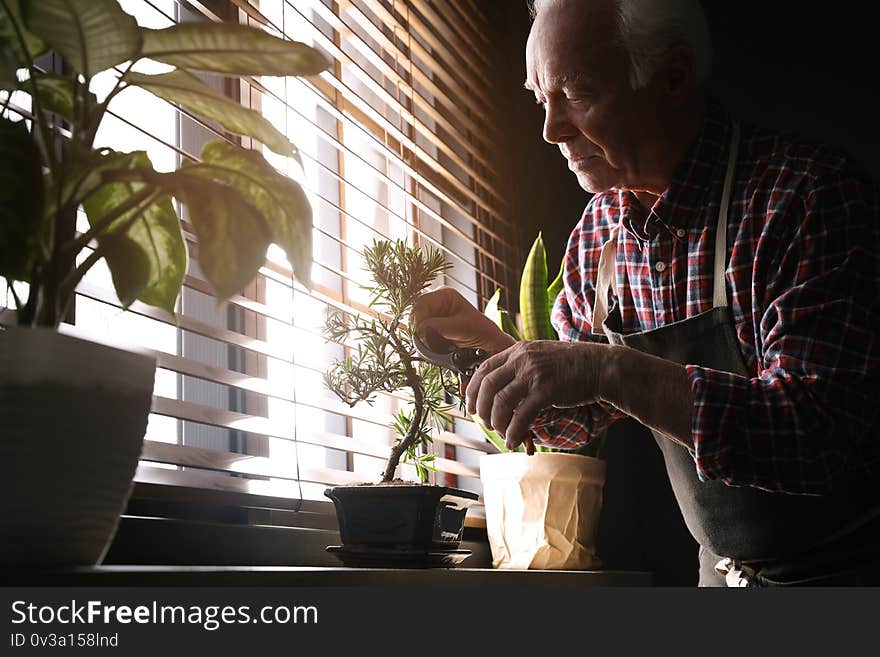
{"x": 748, "y": 537}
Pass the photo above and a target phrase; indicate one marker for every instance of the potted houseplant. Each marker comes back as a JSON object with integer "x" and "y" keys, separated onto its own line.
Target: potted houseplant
{"x": 542, "y": 511}
{"x": 395, "y": 522}
{"x": 74, "y": 412}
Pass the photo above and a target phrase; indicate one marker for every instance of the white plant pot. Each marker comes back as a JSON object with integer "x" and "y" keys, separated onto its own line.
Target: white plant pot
{"x": 73, "y": 415}
{"x": 542, "y": 511}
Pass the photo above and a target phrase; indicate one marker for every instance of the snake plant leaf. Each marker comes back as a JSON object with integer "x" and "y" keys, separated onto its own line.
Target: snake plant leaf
{"x": 494, "y": 437}
{"x": 533, "y": 295}
{"x": 555, "y": 287}
{"x": 501, "y": 317}
{"x": 92, "y": 35}
{"x": 233, "y": 234}
{"x": 509, "y": 326}
{"x": 21, "y": 200}
{"x": 231, "y": 49}
{"x": 13, "y": 33}
{"x": 492, "y": 311}
{"x": 281, "y": 200}
{"x": 147, "y": 260}
{"x": 191, "y": 93}
{"x": 56, "y": 93}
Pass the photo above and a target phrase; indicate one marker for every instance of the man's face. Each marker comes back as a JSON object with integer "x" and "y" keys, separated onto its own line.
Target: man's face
{"x": 581, "y": 77}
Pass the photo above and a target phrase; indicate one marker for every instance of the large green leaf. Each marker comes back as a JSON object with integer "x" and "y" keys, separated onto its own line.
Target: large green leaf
{"x": 193, "y": 94}
{"x": 56, "y": 93}
{"x": 533, "y": 295}
{"x": 280, "y": 199}
{"x": 8, "y": 66}
{"x": 231, "y": 49}
{"x": 12, "y": 34}
{"x": 92, "y": 35}
{"x": 82, "y": 175}
{"x": 148, "y": 259}
{"x": 21, "y": 200}
{"x": 233, "y": 235}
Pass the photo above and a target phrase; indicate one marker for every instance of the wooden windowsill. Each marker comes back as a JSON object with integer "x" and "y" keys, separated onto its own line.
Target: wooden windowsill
{"x": 305, "y": 576}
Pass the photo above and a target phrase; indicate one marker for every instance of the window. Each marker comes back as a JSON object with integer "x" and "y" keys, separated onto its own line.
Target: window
{"x": 396, "y": 142}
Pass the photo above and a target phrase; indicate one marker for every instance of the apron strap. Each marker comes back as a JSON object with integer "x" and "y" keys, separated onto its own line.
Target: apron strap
{"x": 605, "y": 277}
{"x": 605, "y": 281}
{"x": 719, "y": 294}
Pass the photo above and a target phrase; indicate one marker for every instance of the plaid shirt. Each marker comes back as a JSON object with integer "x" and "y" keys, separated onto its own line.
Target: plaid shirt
{"x": 802, "y": 283}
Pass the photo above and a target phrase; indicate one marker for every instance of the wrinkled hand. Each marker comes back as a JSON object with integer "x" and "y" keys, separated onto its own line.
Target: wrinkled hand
{"x": 510, "y": 389}
{"x": 454, "y": 318}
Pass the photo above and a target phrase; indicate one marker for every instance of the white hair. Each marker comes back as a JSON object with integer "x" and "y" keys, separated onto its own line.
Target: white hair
{"x": 647, "y": 29}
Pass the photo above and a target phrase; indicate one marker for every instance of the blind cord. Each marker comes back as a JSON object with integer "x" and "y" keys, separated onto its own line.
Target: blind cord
{"x": 299, "y": 503}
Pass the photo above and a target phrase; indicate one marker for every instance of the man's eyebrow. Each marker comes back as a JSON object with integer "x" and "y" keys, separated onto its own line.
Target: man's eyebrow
{"x": 559, "y": 81}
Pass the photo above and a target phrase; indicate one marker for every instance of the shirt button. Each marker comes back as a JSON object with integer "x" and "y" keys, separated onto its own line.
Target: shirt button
{"x": 681, "y": 232}
{"x": 660, "y": 267}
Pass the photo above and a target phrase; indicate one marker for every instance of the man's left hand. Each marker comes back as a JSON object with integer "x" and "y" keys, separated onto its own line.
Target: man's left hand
{"x": 510, "y": 389}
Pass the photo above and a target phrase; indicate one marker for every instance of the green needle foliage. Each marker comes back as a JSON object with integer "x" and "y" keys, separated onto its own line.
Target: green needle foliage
{"x": 536, "y": 298}
{"x": 384, "y": 359}
{"x": 237, "y": 202}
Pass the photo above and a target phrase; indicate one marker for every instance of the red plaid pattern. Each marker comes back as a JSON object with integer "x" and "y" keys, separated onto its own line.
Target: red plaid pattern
{"x": 802, "y": 283}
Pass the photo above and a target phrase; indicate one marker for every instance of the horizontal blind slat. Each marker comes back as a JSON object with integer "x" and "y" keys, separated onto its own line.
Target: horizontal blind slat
{"x": 471, "y": 76}
{"x": 247, "y": 382}
{"x": 476, "y": 100}
{"x": 422, "y": 207}
{"x": 423, "y": 155}
{"x": 184, "y": 410}
{"x": 438, "y": 16}
{"x": 272, "y": 488}
{"x": 468, "y": 97}
{"x": 471, "y": 136}
{"x": 418, "y": 202}
{"x": 450, "y": 168}
{"x": 209, "y": 459}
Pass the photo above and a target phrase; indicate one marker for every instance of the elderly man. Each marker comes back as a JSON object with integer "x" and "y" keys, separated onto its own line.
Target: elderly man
{"x": 721, "y": 288}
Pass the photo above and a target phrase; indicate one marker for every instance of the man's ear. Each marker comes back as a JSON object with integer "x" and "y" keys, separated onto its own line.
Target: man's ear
{"x": 677, "y": 75}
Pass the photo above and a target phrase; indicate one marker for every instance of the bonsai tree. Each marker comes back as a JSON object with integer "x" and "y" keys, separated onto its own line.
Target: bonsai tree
{"x": 536, "y": 299}
{"x": 383, "y": 357}
{"x": 237, "y": 202}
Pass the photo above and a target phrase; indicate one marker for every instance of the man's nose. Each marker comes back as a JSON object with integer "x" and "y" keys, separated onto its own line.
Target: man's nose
{"x": 557, "y": 126}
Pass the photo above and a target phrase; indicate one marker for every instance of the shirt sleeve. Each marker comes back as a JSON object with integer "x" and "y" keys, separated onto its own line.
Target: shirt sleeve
{"x": 572, "y": 428}
{"x": 810, "y": 415}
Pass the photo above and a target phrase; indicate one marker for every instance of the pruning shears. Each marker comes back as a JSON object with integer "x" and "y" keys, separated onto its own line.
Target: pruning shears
{"x": 438, "y": 350}
{"x": 462, "y": 360}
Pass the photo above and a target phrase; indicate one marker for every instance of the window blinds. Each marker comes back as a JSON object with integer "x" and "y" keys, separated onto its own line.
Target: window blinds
{"x": 397, "y": 141}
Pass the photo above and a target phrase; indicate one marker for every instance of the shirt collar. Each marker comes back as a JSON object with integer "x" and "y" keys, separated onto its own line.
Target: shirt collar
{"x": 701, "y": 169}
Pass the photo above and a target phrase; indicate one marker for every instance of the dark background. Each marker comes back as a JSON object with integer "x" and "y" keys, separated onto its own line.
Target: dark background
{"x": 798, "y": 66}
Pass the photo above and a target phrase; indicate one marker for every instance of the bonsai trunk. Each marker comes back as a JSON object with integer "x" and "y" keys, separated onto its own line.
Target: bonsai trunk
{"x": 412, "y": 432}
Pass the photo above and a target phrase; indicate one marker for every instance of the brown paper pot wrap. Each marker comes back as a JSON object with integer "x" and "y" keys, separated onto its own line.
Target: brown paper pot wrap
{"x": 542, "y": 511}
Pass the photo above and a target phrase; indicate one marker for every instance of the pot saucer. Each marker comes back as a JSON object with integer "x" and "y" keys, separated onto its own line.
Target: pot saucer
{"x": 366, "y": 557}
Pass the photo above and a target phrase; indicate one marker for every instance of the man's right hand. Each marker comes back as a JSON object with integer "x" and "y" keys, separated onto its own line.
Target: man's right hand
{"x": 454, "y": 318}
